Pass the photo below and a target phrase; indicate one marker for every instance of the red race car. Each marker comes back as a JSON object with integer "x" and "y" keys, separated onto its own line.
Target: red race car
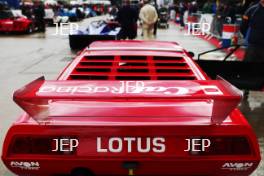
{"x": 131, "y": 108}
{"x": 11, "y": 23}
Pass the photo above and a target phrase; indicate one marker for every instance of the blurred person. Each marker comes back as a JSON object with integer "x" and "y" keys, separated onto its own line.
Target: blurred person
{"x": 113, "y": 11}
{"x": 207, "y": 7}
{"x": 26, "y": 10}
{"x": 252, "y": 29}
{"x": 214, "y": 7}
{"x": 218, "y": 21}
{"x": 156, "y": 23}
{"x": 39, "y": 13}
{"x": 239, "y": 8}
{"x": 230, "y": 11}
{"x": 79, "y": 13}
{"x": 182, "y": 9}
{"x": 149, "y": 16}
{"x": 193, "y": 8}
{"x": 171, "y": 11}
{"x": 127, "y": 16}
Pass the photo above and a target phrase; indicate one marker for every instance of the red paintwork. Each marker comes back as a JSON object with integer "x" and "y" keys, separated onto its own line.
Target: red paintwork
{"x": 145, "y": 114}
{"x": 19, "y": 24}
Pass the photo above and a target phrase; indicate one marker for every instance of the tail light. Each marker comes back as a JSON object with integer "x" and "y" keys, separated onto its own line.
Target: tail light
{"x": 225, "y": 146}
{"x": 37, "y": 145}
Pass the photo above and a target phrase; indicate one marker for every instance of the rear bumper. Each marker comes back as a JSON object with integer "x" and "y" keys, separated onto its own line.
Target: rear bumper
{"x": 174, "y": 162}
{"x": 216, "y": 167}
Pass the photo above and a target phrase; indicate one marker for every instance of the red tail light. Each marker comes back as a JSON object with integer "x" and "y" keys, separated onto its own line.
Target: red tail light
{"x": 226, "y": 146}
{"x": 37, "y": 145}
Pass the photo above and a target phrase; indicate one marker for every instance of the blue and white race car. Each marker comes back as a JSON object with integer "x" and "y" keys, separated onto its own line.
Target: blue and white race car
{"x": 96, "y": 30}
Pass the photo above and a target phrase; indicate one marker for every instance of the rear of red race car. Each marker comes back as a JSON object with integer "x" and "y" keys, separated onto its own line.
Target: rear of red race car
{"x": 10, "y": 23}
{"x": 131, "y": 108}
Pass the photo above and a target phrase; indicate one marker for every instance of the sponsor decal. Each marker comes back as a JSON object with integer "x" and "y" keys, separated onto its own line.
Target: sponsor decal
{"x": 64, "y": 29}
{"x": 128, "y": 144}
{"x": 197, "y": 145}
{"x": 237, "y": 166}
{"x": 130, "y": 87}
{"x": 145, "y": 145}
{"x": 25, "y": 165}
{"x": 65, "y": 145}
{"x": 198, "y": 28}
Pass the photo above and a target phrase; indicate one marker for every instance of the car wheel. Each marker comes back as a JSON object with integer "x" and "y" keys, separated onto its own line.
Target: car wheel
{"x": 81, "y": 172}
{"x": 30, "y": 29}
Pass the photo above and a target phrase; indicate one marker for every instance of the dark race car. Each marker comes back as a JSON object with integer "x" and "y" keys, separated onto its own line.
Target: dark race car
{"x": 12, "y": 23}
{"x": 96, "y": 30}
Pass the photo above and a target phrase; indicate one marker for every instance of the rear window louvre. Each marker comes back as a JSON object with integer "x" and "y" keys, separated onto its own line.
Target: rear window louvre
{"x": 133, "y": 70}
{"x": 93, "y": 69}
{"x": 88, "y": 77}
{"x": 132, "y": 78}
{"x": 96, "y": 63}
{"x": 133, "y": 58}
{"x": 167, "y": 58}
{"x": 173, "y": 71}
{"x": 176, "y": 78}
{"x": 170, "y": 64}
{"x": 99, "y": 57}
{"x": 133, "y": 64}
{"x": 128, "y": 67}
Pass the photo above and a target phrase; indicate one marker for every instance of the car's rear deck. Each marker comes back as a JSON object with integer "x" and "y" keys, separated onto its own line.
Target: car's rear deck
{"x": 139, "y": 61}
{"x": 178, "y": 103}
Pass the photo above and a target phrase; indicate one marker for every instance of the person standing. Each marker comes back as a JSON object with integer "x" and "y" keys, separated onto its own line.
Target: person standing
{"x": 182, "y": 9}
{"x": 230, "y": 12}
{"x": 127, "y": 16}
{"x": 26, "y": 10}
{"x": 252, "y": 29}
{"x": 156, "y": 23}
{"x": 218, "y": 21}
{"x": 39, "y": 13}
{"x": 114, "y": 10}
{"x": 193, "y": 8}
{"x": 148, "y": 16}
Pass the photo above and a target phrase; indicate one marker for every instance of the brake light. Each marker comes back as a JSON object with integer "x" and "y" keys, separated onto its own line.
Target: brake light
{"x": 225, "y": 146}
{"x": 37, "y": 145}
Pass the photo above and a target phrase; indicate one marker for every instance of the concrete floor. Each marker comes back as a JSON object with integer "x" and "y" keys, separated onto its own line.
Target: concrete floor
{"x": 24, "y": 58}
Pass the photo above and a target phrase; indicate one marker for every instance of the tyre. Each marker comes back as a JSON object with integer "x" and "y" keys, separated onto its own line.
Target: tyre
{"x": 30, "y": 29}
{"x": 74, "y": 42}
{"x": 81, "y": 172}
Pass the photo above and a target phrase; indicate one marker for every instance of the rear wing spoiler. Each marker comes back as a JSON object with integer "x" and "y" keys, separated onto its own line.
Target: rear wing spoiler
{"x": 44, "y": 100}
